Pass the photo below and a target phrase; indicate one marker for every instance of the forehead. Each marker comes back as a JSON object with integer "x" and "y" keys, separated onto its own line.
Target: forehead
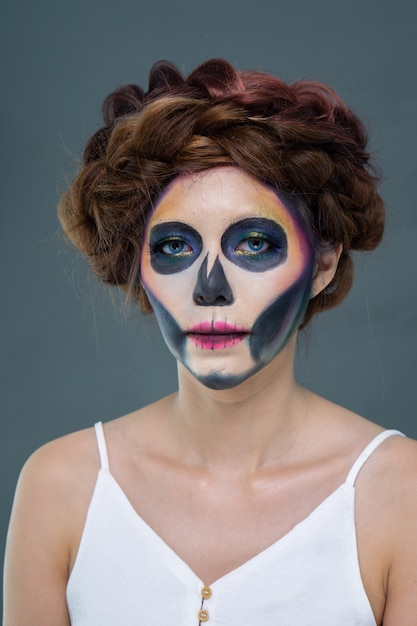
{"x": 219, "y": 197}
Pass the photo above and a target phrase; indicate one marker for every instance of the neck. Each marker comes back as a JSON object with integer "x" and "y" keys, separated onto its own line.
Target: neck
{"x": 244, "y": 428}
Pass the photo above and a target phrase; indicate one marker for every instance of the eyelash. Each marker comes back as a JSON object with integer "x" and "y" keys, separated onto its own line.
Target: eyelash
{"x": 158, "y": 248}
{"x": 259, "y": 237}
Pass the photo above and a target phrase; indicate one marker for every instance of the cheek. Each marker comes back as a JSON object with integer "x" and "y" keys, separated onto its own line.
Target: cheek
{"x": 256, "y": 292}
{"x": 259, "y": 291}
{"x": 282, "y": 317}
{"x": 171, "y": 331}
{"x": 173, "y": 290}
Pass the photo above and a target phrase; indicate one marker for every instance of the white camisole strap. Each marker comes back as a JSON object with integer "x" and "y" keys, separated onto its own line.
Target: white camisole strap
{"x": 366, "y": 453}
{"x": 101, "y": 443}
{"x": 351, "y": 477}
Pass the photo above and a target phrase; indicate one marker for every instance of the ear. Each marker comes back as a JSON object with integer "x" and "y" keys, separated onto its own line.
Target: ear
{"x": 325, "y": 270}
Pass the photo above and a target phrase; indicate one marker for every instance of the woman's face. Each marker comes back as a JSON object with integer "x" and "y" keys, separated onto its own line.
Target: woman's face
{"x": 228, "y": 269}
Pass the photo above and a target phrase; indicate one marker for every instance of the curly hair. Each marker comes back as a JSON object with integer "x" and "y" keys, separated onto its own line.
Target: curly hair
{"x": 302, "y": 139}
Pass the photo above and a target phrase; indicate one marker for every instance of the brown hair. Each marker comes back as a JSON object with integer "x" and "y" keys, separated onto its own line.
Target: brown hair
{"x": 300, "y": 138}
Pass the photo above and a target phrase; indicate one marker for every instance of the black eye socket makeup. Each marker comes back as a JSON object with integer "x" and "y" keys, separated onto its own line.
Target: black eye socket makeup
{"x": 174, "y": 246}
{"x": 256, "y": 244}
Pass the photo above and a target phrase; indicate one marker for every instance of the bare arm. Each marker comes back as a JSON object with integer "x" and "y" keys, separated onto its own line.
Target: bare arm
{"x": 401, "y": 604}
{"x": 46, "y": 524}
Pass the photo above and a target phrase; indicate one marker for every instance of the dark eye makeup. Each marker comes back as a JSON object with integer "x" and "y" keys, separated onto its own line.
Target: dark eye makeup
{"x": 256, "y": 244}
{"x": 173, "y": 246}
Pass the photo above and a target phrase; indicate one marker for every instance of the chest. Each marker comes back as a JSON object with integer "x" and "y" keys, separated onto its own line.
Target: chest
{"x": 286, "y": 583}
{"x": 217, "y": 525}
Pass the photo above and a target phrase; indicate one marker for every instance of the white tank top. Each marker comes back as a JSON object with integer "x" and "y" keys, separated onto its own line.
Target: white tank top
{"x": 126, "y": 575}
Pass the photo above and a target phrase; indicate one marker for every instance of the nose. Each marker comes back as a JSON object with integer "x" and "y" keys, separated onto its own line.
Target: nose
{"x": 212, "y": 289}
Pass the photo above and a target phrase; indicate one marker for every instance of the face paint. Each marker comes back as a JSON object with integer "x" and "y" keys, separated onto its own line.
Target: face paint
{"x": 174, "y": 246}
{"x": 255, "y": 244}
{"x": 212, "y": 289}
{"x": 230, "y": 282}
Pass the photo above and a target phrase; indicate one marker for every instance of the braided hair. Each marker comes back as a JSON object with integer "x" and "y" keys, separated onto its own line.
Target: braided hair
{"x": 302, "y": 139}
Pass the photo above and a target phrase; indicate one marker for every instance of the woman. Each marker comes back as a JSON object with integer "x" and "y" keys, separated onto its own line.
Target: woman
{"x": 228, "y": 203}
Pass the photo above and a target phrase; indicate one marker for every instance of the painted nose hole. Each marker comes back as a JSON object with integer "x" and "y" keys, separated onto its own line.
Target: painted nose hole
{"x": 212, "y": 289}
{"x": 219, "y": 300}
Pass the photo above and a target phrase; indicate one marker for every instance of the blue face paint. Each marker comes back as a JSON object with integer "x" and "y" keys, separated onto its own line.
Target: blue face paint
{"x": 279, "y": 321}
{"x": 269, "y": 335}
{"x": 176, "y": 341}
{"x": 172, "y": 333}
{"x": 173, "y": 246}
{"x": 255, "y": 244}
{"x": 228, "y": 323}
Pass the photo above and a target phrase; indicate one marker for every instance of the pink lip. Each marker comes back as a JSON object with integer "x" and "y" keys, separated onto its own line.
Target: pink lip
{"x": 216, "y": 335}
{"x": 214, "y": 328}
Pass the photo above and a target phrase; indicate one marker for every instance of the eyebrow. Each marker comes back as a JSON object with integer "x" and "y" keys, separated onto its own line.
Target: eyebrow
{"x": 162, "y": 229}
{"x": 237, "y": 220}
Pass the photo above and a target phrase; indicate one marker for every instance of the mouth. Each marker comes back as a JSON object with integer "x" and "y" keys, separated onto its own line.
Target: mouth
{"x": 216, "y": 335}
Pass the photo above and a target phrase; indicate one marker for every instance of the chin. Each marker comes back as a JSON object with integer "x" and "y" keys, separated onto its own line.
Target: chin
{"x": 221, "y": 381}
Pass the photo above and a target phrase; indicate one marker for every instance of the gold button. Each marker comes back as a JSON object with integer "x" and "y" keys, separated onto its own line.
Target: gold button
{"x": 206, "y": 593}
{"x": 203, "y": 616}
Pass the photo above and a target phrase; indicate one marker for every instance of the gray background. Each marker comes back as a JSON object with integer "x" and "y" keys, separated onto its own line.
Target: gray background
{"x": 70, "y": 355}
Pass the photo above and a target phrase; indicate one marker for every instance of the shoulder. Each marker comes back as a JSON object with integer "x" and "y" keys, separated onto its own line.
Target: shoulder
{"x": 397, "y": 466}
{"x": 56, "y": 483}
{"x": 401, "y": 514}
{"x": 385, "y": 514}
{"x": 68, "y": 466}
{"x": 393, "y": 468}
{"x": 387, "y": 518}
{"x": 60, "y": 461}
{"x": 55, "y": 486}
{"x": 51, "y": 500}
{"x": 74, "y": 458}
{"x": 388, "y": 480}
